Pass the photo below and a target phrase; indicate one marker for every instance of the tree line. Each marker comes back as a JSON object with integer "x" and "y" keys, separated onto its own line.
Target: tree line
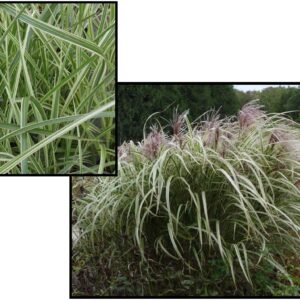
{"x": 137, "y": 101}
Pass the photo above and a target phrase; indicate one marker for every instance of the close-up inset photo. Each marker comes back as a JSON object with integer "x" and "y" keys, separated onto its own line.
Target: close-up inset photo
{"x": 57, "y": 88}
{"x": 207, "y": 198}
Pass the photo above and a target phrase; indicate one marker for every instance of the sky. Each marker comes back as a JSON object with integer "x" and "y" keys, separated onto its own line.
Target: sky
{"x": 257, "y": 87}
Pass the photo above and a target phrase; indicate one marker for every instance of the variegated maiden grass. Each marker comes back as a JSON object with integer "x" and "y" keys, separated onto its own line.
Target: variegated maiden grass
{"x": 57, "y": 88}
{"x": 224, "y": 189}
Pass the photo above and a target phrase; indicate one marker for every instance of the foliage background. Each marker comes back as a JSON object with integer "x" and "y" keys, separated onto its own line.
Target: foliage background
{"x": 137, "y": 101}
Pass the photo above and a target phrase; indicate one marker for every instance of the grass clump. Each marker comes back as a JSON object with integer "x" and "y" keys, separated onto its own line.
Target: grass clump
{"x": 57, "y": 88}
{"x": 211, "y": 208}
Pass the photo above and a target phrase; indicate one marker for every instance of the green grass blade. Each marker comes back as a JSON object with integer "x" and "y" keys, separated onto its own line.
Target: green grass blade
{"x": 56, "y": 32}
{"x": 14, "y": 162}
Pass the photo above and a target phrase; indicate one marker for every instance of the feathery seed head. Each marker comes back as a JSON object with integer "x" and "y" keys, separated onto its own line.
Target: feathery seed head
{"x": 250, "y": 114}
{"x": 151, "y": 145}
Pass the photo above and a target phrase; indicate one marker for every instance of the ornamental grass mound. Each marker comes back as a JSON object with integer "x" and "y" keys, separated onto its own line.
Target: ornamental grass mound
{"x": 193, "y": 194}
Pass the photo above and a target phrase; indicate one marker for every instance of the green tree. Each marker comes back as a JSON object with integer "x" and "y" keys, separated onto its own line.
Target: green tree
{"x": 292, "y": 103}
{"x": 273, "y": 98}
{"x": 137, "y": 101}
